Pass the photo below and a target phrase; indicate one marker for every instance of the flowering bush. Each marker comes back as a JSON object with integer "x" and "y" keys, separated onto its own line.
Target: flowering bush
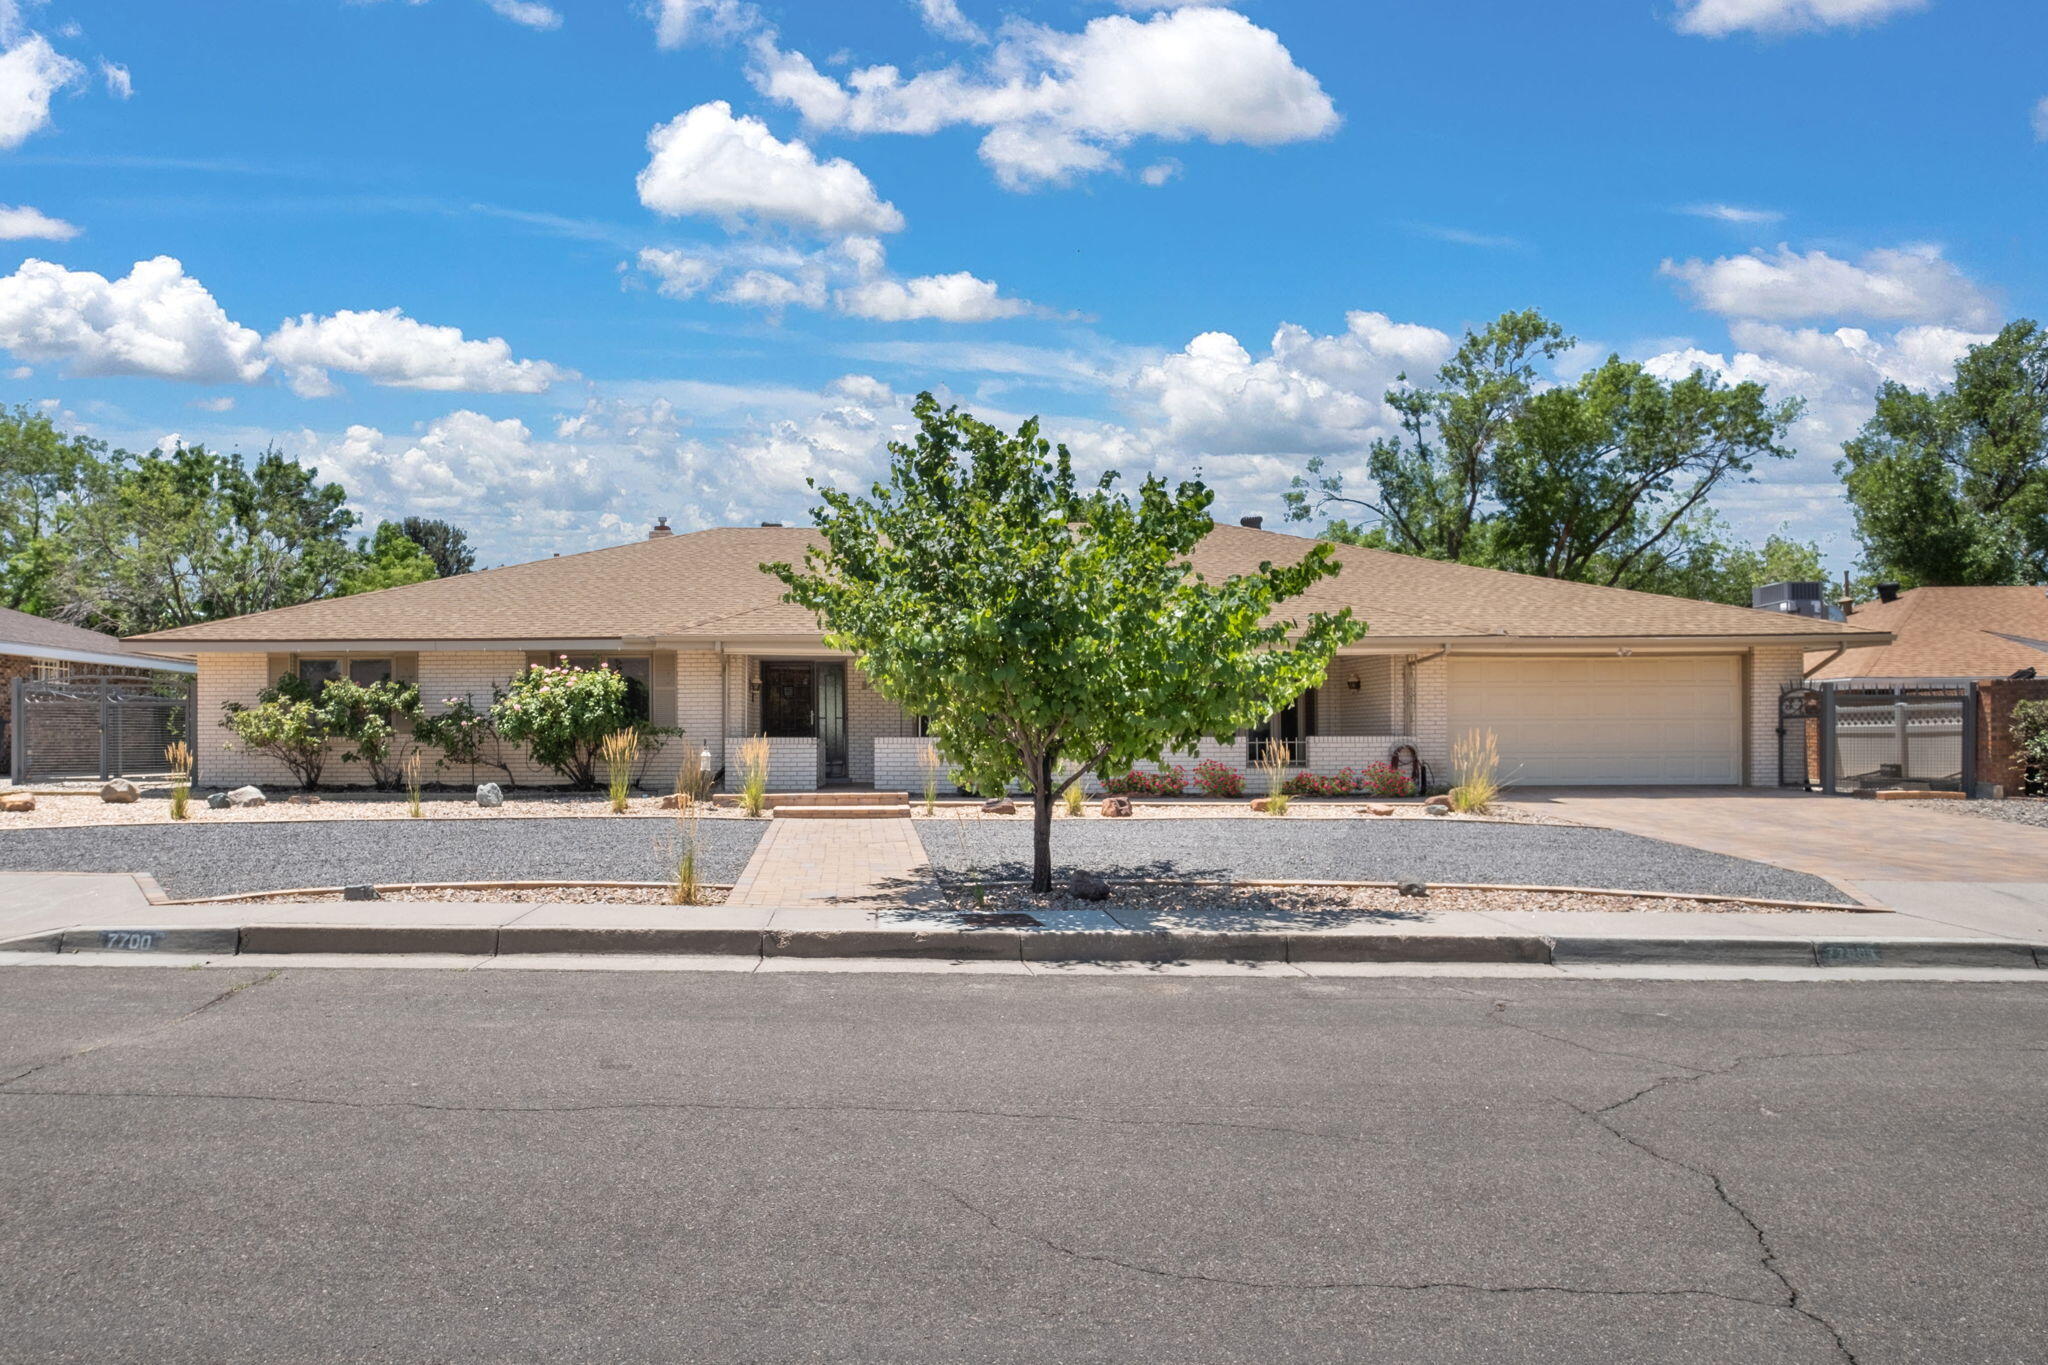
{"x": 464, "y": 735}
{"x": 1374, "y": 779}
{"x": 562, "y": 715}
{"x": 1217, "y": 778}
{"x": 1163, "y": 782}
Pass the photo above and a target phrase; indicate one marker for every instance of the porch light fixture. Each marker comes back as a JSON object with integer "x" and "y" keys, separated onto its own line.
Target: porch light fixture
{"x": 1352, "y": 683}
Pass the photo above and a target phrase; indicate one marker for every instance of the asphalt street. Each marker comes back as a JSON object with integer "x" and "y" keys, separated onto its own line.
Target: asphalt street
{"x": 416, "y": 1165}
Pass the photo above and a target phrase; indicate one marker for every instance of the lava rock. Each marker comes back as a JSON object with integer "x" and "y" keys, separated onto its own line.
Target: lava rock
{"x": 359, "y": 893}
{"x": 1086, "y": 886}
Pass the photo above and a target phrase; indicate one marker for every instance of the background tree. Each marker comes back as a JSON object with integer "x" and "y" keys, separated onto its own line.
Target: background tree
{"x": 387, "y": 559}
{"x": 166, "y": 540}
{"x": 1951, "y": 488}
{"x": 446, "y": 545}
{"x": 1041, "y": 629}
{"x": 42, "y": 472}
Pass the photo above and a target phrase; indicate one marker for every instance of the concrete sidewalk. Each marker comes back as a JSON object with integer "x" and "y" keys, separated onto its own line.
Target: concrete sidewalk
{"x": 70, "y": 915}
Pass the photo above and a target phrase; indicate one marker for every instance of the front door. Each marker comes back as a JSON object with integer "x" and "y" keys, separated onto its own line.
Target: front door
{"x": 831, "y": 692}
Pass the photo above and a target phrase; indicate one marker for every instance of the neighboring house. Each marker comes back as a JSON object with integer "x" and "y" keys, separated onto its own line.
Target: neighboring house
{"x": 1944, "y": 635}
{"x": 42, "y": 650}
{"x": 1582, "y": 684}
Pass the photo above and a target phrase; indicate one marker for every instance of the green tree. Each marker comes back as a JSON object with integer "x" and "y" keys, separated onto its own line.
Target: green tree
{"x": 166, "y": 540}
{"x": 42, "y": 473}
{"x": 1951, "y": 488}
{"x": 1433, "y": 481}
{"x": 387, "y": 559}
{"x": 447, "y": 545}
{"x": 1042, "y": 629}
{"x": 1602, "y": 481}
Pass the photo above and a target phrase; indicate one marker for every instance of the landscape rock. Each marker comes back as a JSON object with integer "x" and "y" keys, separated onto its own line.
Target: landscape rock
{"x": 673, "y": 801}
{"x": 1002, "y": 805}
{"x": 1086, "y": 886}
{"x": 1441, "y": 799}
{"x": 217, "y": 801}
{"x": 246, "y": 796}
{"x": 1262, "y": 805}
{"x": 302, "y": 799}
{"x": 17, "y": 802}
{"x": 120, "y": 792}
{"x": 1434, "y": 809}
{"x": 490, "y": 795}
{"x": 359, "y": 893}
{"x": 1413, "y": 888}
{"x": 1379, "y": 810}
{"x": 1116, "y": 806}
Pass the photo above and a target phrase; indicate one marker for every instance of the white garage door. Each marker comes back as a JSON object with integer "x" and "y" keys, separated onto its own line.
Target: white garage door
{"x": 1590, "y": 721}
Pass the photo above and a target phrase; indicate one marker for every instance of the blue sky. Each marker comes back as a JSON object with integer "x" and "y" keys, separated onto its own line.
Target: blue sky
{"x": 551, "y": 269}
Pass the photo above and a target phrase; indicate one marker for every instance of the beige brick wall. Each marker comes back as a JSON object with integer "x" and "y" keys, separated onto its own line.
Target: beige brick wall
{"x": 871, "y": 716}
{"x": 1768, "y": 672}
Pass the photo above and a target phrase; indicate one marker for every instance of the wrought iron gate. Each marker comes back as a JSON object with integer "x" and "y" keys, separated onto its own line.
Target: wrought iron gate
{"x": 116, "y": 727}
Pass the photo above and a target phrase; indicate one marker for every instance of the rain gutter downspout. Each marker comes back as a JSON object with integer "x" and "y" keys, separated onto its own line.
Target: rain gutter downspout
{"x": 1839, "y": 651}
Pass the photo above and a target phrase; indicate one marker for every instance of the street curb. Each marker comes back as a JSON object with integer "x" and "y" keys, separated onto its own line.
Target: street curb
{"x": 1052, "y": 945}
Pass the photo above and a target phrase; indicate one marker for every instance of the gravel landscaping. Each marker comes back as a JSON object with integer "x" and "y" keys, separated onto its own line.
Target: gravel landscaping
{"x": 55, "y": 810}
{"x": 2014, "y": 810}
{"x": 221, "y": 860}
{"x": 1208, "y": 903}
{"x": 1440, "y": 850}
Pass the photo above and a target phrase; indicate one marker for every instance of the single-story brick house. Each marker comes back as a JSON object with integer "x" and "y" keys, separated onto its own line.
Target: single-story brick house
{"x": 41, "y": 650}
{"x": 1582, "y": 684}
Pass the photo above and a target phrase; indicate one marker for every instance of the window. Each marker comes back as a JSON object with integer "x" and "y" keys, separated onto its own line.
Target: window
{"x": 636, "y": 669}
{"x": 50, "y": 670}
{"x": 363, "y": 672}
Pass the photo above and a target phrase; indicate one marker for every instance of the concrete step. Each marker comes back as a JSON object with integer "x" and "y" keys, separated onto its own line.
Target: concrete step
{"x": 842, "y": 812}
{"x": 838, "y": 798}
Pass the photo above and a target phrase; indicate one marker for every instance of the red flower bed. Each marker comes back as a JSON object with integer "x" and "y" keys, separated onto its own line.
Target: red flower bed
{"x": 1217, "y": 778}
{"x": 1166, "y": 782}
{"x": 1374, "y": 779}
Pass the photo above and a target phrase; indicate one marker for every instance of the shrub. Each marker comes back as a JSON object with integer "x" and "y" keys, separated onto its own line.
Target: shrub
{"x": 178, "y": 756}
{"x": 370, "y": 720}
{"x": 754, "y": 775}
{"x": 563, "y": 716}
{"x": 464, "y": 735}
{"x": 1475, "y": 762}
{"x": 1384, "y": 779}
{"x": 1272, "y": 764}
{"x": 1161, "y": 782}
{"x": 929, "y": 761}
{"x": 2030, "y": 733}
{"x": 283, "y": 725}
{"x": 619, "y": 750}
{"x": 1217, "y": 778}
{"x": 1374, "y": 779}
{"x": 412, "y": 785}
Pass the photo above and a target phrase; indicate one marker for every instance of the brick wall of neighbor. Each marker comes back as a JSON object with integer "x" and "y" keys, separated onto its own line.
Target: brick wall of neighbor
{"x": 1999, "y": 762}
{"x": 1769, "y": 670}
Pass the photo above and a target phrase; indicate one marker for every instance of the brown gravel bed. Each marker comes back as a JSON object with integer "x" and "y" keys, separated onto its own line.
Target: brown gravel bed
{"x": 520, "y": 895}
{"x": 1199, "y": 899}
{"x": 154, "y": 808}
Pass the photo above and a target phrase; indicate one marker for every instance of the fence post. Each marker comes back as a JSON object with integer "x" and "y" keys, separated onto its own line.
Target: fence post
{"x": 1827, "y": 739}
{"x": 1970, "y": 743}
{"x": 106, "y": 760}
{"x": 191, "y": 725}
{"x": 17, "y": 737}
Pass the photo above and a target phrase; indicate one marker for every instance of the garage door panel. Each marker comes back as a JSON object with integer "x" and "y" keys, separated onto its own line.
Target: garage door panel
{"x": 1588, "y": 721}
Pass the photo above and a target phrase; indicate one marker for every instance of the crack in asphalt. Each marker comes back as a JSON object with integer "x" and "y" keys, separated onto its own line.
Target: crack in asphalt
{"x": 704, "y": 1106}
{"x": 1312, "y": 1286}
{"x": 140, "y": 1035}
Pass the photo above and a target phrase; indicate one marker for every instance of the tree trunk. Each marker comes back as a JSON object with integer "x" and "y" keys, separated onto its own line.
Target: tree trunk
{"x": 1041, "y": 827}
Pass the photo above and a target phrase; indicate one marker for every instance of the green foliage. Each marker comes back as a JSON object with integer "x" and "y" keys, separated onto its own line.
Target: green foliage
{"x": 465, "y": 736}
{"x": 283, "y": 725}
{"x": 2030, "y": 730}
{"x": 1951, "y": 488}
{"x": 1605, "y": 480}
{"x": 42, "y": 472}
{"x": 371, "y": 721}
{"x": 168, "y": 540}
{"x": 563, "y": 716}
{"x": 1030, "y": 620}
{"x": 446, "y": 545}
{"x": 388, "y": 559}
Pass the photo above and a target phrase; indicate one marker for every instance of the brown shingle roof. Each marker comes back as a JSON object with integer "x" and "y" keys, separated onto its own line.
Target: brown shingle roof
{"x": 24, "y": 634}
{"x": 708, "y": 585}
{"x": 1949, "y": 633}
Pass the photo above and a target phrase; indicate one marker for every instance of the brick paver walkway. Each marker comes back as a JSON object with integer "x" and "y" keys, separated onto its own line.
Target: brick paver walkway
{"x": 859, "y": 863}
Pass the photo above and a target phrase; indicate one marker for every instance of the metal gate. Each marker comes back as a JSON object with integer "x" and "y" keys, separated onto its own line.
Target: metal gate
{"x": 116, "y": 727}
{"x": 1839, "y": 737}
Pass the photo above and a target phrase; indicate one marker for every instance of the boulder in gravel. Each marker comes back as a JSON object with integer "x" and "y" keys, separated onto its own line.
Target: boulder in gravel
{"x": 302, "y": 799}
{"x": 247, "y": 796}
{"x": 1412, "y": 888}
{"x": 1116, "y": 807}
{"x": 673, "y": 801}
{"x": 1434, "y": 809}
{"x": 359, "y": 893}
{"x": 1002, "y": 805}
{"x": 1086, "y": 886}
{"x": 490, "y": 795}
{"x": 120, "y": 792}
{"x": 1379, "y": 810}
{"x": 217, "y": 801}
{"x": 1262, "y": 805}
{"x": 17, "y": 802}
{"x": 1440, "y": 799}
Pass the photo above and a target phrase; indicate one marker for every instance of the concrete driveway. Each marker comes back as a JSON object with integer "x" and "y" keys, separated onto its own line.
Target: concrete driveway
{"x": 1916, "y": 856}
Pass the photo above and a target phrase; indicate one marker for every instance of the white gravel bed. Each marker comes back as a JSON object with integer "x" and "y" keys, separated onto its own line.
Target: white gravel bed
{"x": 1197, "y": 899}
{"x": 71, "y": 809}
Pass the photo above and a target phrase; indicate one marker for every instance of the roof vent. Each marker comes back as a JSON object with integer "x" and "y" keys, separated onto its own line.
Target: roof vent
{"x": 660, "y": 529}
{"x": 1887, "y": 592}
{"x": 771, "y": 523}
{"x": 1252, "y": 523}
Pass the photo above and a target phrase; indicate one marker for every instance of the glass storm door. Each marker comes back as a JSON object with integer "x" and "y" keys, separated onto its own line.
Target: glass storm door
{"x": 787, "y": 697}
{"x": 831, "y": 714}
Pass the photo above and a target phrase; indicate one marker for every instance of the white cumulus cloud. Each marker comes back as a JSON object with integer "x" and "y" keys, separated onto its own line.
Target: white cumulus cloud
{"x": 119, "y": 83}
{"x": 1733, "y": 213}
{"x": 20, "y": 222}
{"x": 1059, "y": 104}
{"x": 156, "y": 320}
{"x": 30, "y": 72}
{"x": 851, "y": 275}
{"x": 958, "y": 297}
{"x": 708, "y": 162}
{"x": 388, "y": 348}
{"x": 1719, "y": 18}
{"x": 1903, "y": 284}
{"x": 526, "y": 12}
{"x": 679, "y": 22}
{"x": 944, "y": 18}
